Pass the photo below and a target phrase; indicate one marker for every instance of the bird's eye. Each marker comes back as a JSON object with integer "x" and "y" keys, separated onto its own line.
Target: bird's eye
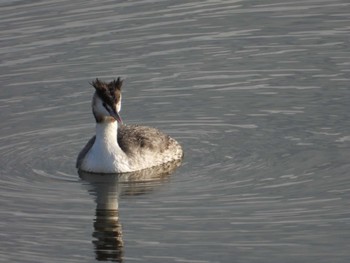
{"x": 106, "y": 107}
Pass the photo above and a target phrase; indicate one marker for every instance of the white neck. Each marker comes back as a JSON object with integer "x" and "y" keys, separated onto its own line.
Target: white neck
{"x": 106, "y": 141}
{"x": 106, "y": 132}
{"x": 105, "y": 155}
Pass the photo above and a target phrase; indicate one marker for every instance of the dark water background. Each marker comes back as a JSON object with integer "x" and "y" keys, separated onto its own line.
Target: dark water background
{"x": 257, "y": 92}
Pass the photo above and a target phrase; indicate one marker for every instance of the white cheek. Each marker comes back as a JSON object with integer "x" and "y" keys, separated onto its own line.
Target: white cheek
{"x": 119, "y": 104}
{"x": 102, "y": 109}
{"x": 98, "y": 107}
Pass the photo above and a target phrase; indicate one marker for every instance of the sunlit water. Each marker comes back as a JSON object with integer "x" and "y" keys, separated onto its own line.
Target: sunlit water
{"x": 257, "y": 92}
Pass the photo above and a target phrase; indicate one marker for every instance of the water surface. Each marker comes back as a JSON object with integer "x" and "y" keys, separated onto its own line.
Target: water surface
{"x": 257, "y": 92}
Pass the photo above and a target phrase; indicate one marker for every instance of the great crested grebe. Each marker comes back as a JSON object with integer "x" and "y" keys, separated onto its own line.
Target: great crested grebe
{"x": 123, "y": 148}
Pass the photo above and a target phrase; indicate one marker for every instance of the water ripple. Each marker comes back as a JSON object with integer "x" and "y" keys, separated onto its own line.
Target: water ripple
{"x": 255, "y": 92}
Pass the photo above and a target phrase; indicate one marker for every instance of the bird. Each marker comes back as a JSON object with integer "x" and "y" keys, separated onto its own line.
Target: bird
{"x": 120, "y": 148}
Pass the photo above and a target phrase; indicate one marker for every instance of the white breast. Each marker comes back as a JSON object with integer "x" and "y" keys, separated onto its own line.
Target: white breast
{"x": 105, "y": 156}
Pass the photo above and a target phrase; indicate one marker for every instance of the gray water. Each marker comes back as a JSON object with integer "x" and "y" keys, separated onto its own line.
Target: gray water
{"x": 257, "y": 92}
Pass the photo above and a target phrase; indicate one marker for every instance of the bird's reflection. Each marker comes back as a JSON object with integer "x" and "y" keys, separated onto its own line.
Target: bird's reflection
{"x": 107, "y": 189}
{"x": 108, "y": 241}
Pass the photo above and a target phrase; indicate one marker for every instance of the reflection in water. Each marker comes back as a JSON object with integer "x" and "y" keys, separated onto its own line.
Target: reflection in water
{"x": 106, "y": 188}
{"x": 108, "y": 235}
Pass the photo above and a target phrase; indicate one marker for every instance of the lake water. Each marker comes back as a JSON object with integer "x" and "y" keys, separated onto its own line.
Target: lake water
{"x": 257, "y": 92}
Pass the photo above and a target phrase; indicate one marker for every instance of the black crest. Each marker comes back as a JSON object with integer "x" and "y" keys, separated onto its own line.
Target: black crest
{"x": 108, "y": 92}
